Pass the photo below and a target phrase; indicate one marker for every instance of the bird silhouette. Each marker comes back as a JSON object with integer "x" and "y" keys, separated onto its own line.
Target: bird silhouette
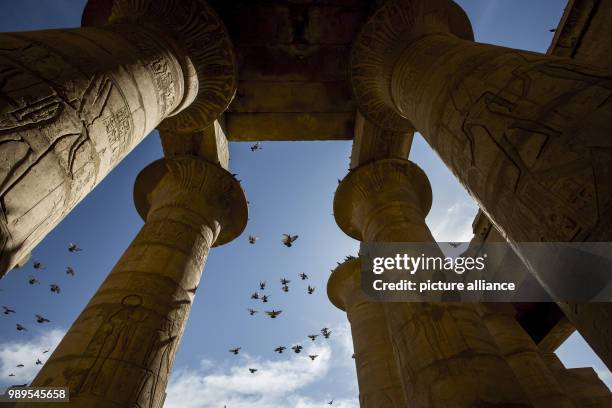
{"x": 284, "y": 281}
{"x": 255, "y": 295}
{"x": 274, "y": 313}
{"x": 252, "y": 312}
{"x": 264, "y": 298}
{"x": 310, "y": 290}
{"x": 280, "y": 349}
{"x": 20, "y": 327}
{"x": 552, "y": 30}
{"x": 285, "y": 288}
{"x": 253, "y": 239}
{"x": 253, "y": 370}
{"x": 313, "y": 337}
{"x": 7, "y": 310}
{"x": 11, "y": 375}
{"x": 69, "y": 271}
{"x": 262, "y": 285}
{"x": 38, "y": 362}
{"x": 288, "y": 240}
{"x": 37, "y": 265}
{"x": 45, "y": 351}
{"x": 313, "y": 356}
{"x": 256, "y": 146}
{"x": 235, "y": 351}
{"x": 330, "y": 402}
{"x": 297, "y": 349}
{"x": 74, "y": 248}
{"x": 454, "y": 244}
{"x": 326, "y": 332}
{"x": 54, "y": 288}
{"x": 19, "y": 365}
{"x": 33, "y": 281}
{"x": 303, "y": 276}
{"x": 353, "y": 356}
{"x": 41, "y": 319}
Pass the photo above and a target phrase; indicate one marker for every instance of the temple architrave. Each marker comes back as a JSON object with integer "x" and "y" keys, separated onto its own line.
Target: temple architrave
{"x": 527, "y": 134}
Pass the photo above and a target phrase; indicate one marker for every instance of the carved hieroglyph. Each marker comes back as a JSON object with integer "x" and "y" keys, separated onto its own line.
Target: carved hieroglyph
{"x": 119, "y": 351}
{"x": 74, "y": 103}
{"x": 527, "y": 134}
{"x": 443, "y": 351}
{"x": 377, "y": 374}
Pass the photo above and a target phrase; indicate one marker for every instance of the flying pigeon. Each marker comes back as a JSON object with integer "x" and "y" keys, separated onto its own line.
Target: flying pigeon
{"x": 280, "y": 349}
{"x": 262, "y": 285}
{"x": 69, "y": 271}
{"x": 297, "y": 349}
{"x": 38, "y": 362}
{"x": 256, "y": 146}
{"x": 274, "y": 313}
{"x": 33, "y": 281}
{"x": 284, "y": 281}
{"x": 285, "y": 288}
{"x": 37, "y": 265}
{"x": 326, "y": 332}
{"x": 264, "y": 298}
{"x": 313, "y": 337}
{"x": 54, "y": 288}
{"x": 7, "y": 310}
{"x": 253, "y": 370}
{"x": 310, "y": 290}
{"x": 20, "y": 327}
{"x": 303, "y": 276}
{"x": 252, "y": 312}
{"x": 41, "y": 319}
{"x": 235, "y": 351}
{"x": 255, "y": 295}
{"x": 313, "y": 356}
{"x": 253, "y": 239}
{"x": 288, "y": 240}
{"x": 74, "y": 248}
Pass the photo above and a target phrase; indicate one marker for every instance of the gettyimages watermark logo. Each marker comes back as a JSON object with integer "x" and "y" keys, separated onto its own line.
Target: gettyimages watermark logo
{"x": 487, "y": 272}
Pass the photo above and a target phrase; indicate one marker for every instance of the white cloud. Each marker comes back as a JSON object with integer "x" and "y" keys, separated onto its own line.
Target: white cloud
{"x": 455, "y": 224}
{"x": 14, "y": 352}
{"x": 277, "y": 383}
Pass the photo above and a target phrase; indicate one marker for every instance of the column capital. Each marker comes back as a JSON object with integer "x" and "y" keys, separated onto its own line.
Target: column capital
{"x": 209, "y": 60}
{"x": 380, "y": 43}
{"x": 343, "y": 281}
{"x": 379, "y": 191}
{"x": 201, "y": 187}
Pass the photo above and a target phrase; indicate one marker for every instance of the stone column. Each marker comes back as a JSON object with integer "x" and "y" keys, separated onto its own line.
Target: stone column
{"x": 120, "y": 350}
{"x": 75, "y": 102}
{"x": 444, "y": 353}
{"x": 527, "y": 134}
{"x": 377, "y": 374}
{"x": 523, "y": 356}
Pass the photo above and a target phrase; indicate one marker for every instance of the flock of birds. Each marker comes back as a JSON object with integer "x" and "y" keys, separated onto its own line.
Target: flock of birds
{"x": 40, "y": 319}
{"x": 287, "y": 240}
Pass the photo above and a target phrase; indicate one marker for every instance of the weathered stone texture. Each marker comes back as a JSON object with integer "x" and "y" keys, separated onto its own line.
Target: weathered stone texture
{"x": 121, "y": 348}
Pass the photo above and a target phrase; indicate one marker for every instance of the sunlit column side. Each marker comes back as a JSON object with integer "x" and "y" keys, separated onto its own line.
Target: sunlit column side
{"x": 120, "y": 350}
{"x": 75, "y": 102}
{"x": 444, "y": 353}
{"x": 377, "y": 374}
{"x": 527, "y": 134}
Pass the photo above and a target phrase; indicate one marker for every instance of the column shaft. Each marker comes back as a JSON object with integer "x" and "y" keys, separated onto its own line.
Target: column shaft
{"x": 524, "y": 357}
{"x": 121, "y": 348}
{"x": 377, "y": 374}
{"x": 444, "y": 352}
{"x": 527, "y": 134}
{"x": 73, "y": 104}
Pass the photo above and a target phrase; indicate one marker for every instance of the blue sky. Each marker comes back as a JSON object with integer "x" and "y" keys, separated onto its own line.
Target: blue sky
{"x": 290, "y": 186}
